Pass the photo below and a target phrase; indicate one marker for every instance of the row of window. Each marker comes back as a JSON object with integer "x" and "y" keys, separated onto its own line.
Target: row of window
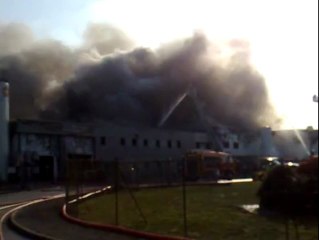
{"x": 227, "y": 145}
{"x": 146, "y": 143}
{"x": 169, "y": 143}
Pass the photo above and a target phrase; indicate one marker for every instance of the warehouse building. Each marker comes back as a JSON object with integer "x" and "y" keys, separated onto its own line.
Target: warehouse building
{"x": 43, "y": 147}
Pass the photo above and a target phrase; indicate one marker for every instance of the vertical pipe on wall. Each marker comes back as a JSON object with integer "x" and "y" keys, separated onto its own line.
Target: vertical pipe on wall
{"x": 4, "y": 130}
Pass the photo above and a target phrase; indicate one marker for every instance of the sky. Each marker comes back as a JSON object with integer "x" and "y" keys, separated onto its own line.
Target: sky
{"x": 283, "y": 35}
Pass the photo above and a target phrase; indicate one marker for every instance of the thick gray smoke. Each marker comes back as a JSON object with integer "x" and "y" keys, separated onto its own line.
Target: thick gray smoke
{"x": 108, "y": 79}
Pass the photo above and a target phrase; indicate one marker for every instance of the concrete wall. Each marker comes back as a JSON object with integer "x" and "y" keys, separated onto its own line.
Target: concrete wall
{"x": 142, "y": 143}
{"x": 108, "y": 143}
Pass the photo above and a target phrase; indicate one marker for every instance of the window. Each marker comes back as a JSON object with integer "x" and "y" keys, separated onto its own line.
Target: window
{"x": 236, "y": 145}
{"x": 102, "y": 141}
{"x": 197, "y": 144}
{"x": 226, "y": 144}
{"x": 178, "y": 144}
{"x": 158, "y": 143}
{"x": 134, "y": 142}
{"x": 169, "y": 144}
{"x": 145, "y": 142}
{"x": 207, "y": 145}
{"x": 122, "y": 141}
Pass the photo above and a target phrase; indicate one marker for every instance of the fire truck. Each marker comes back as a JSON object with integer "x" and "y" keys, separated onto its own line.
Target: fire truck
{"x": 208, "y": 165}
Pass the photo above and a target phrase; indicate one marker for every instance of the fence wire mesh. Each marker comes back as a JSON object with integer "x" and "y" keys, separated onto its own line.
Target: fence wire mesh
{"x": 144, "y": 195}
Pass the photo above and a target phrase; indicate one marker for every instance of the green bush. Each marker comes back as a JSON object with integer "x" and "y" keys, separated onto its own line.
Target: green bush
{"x": 286, "y": 192}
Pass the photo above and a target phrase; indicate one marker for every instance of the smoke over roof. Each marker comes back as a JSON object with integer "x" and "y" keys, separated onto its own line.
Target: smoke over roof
{"x": 107, "y": 78}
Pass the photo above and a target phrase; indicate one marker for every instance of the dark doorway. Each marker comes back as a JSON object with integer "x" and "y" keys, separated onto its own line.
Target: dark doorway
{"x": 46, "y": 168}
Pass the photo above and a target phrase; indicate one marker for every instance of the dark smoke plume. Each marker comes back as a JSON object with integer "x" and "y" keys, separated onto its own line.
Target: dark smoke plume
{"x": 107, "y": 79}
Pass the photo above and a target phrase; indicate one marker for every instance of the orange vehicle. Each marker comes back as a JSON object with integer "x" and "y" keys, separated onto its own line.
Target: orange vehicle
{"x": 209, "y": 165}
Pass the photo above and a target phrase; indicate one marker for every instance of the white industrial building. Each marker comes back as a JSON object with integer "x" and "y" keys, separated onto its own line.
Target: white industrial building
{"x": 47, "y": 145}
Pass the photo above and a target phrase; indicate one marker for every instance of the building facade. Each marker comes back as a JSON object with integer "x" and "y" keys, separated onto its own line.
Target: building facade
{"x": 45, "y": 147}
{"x": 40, "y": 149}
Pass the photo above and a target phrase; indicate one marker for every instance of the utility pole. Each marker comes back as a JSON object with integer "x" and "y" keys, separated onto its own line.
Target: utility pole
{"x": 314, "y": 99}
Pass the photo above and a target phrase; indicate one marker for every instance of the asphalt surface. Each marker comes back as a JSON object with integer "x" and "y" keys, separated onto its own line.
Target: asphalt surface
{"x": 11, "y": 198}
{"x": 9, "y": 234}
{"x": 45, "y": 219}
{"x": 25, "y": 196}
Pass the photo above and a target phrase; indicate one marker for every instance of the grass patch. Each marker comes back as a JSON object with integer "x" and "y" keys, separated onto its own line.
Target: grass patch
{"x": 212, "y": 213}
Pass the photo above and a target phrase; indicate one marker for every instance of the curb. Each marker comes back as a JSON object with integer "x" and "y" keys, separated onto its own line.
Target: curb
{"x": 6, "y": 216}
{"x": 114, "y": 228}
{"x": 24, "y": 230}
{"x": 118, "y": 229}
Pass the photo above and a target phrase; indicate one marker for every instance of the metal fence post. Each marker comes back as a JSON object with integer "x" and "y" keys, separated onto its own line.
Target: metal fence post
{"x": 184, "y": 199}
{"x": 67, "y": 182}
{"x": 77, "y": 192}
{"x": 116, "y": 187}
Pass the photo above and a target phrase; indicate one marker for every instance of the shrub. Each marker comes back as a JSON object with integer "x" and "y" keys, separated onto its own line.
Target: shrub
{"x": 286, "y": 191}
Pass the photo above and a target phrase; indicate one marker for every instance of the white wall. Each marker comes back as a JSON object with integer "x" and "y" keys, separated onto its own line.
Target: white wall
{"x": 113, "y": 148}
{"x": 258, "y": 143}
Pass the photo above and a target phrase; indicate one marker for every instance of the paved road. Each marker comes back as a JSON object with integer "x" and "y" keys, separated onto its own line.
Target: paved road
{"x": 28, "y": 195}
{"x": 18, "y": 197}
{"x": 48, "y": 212}
{"x": 45, "y": 217}
{"x": 9, "y": 234}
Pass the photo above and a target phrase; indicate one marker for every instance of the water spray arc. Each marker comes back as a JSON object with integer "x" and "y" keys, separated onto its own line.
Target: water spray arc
{"x": 206, "y": 122}
{"x": 297, "y": 133}
{"x": 172, "y": 109}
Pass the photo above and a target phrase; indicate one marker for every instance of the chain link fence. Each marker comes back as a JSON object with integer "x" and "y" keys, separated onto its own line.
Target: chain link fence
{"x": 126, "y": 202}
{"x": 123, "y": 180}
